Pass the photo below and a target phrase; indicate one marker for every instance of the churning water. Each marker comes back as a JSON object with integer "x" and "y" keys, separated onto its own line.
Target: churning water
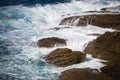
{"x": 21, "y": 27}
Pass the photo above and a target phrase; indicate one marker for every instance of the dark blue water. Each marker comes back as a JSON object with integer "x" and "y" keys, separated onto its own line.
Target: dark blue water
{"x": 42, "y": 2}
{"x": 30, "y": 2}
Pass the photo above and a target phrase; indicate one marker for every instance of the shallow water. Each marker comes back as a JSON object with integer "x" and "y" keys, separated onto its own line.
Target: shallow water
{"x": 20, "y": 28}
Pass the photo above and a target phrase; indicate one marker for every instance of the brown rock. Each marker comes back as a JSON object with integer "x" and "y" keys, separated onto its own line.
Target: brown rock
{"x": 104, "y": 9}
{"x": 107, "y": 47}
{"x": 104, "y": 20}
{"x": 83, "y": 74}
{"x": 95, "y": 34}
{"x": 51, "y": 42}
{"x": 64, "y": 57}
{"x": 111, "y": 9}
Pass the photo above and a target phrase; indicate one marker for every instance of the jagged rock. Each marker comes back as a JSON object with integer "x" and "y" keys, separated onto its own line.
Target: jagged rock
{"x": 83, "y": 74}
{"x": 107, "y": 47}
{"x": 104, "y": 20}
{"x": 65, "y": 57}
{"x": 51, "y": 42}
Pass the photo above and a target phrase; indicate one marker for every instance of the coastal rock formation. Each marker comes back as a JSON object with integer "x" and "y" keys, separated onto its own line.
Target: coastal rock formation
{"x": 83, "y": 74}
{"x": 111, "y": 9}
{"x": 107, "y": 47}
{"x": 65, "y": 57}
{"x": 101, "y": 20}
{"x": 51, "y": 42}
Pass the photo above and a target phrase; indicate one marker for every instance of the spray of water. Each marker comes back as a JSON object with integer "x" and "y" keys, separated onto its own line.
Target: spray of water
{"x": 23, "y": 26}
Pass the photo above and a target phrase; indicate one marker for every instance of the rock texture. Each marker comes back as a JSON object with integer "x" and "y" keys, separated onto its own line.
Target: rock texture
{"x": 107, "y": 47}
{"x": 83, "y": 74}
{"x": 104, "y": 20}
{"x": 64, "y": 57}
{"x": 51, "y": 42}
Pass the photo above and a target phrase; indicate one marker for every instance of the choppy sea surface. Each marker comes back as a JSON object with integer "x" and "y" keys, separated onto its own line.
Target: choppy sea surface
{"x": 21, "y": 26}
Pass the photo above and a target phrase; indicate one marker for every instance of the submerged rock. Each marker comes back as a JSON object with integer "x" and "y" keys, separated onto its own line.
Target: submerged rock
{"x": 95, "y": 34}
{"x": 107, "y": 47}
{"x": 101, "y": 20}
{"x": 65, "y": 57}
{"x": 83, "y": 74}
{"x": 57, "y": 28}
{"x": 51, "y": 42}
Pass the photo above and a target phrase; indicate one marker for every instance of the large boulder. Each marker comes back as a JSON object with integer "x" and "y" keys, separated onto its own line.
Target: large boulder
{"x": 104, "y": 45}
{"x": 65, "y": 57}
{"x": 101, "y": 20}
{"x": 51, "y": 42}
{"x": 83, "y": 74}
{"x": 107, "y": 47}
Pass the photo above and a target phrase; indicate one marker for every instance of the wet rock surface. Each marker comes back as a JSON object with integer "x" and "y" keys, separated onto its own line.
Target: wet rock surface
{"x": 107, "y": 47}
{"x": 58, "y": 28}
{"x": 51, "y": 42}
{"x": 95, "y": 34}
{"x": 83, "y": 74}
{"x": 65, "y": 57}
{"x": 101, "y": 20}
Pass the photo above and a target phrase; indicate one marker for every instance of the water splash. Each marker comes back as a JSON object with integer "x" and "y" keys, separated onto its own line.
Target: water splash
{"x": 21, "y": 27}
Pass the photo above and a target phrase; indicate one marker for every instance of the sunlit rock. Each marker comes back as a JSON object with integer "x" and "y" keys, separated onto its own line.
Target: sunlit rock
{"x": 51, "y": 42}
{"x": 65, "y": 57}
{"x": 107, "y": 47}
{"x": 83, "y": 74}
{"x": 101, "y": 20}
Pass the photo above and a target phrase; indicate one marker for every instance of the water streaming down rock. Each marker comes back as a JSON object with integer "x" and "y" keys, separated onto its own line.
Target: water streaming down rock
{"x": 21, "y": 27}
{"x": 107, "y": 20}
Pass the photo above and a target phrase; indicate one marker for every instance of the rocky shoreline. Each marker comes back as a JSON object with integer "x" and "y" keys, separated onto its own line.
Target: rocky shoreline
{"x": 104, "y": 20}
{"x": 106, "y": 46}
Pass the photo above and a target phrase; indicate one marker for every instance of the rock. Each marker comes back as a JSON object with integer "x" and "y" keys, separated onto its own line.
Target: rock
{"x": 74, "y": 21}
{"x": 112, "y": 69}
{"x": 104, "y": 9}
{"x": 65, "y": 57}
{"x": 51, "y": 42}
{"x": 117, "y": 27}
{"x": 107, "y": 47}
{"x": 58, "y": 28}
{"x": 111, "y": 9}
{"x": 95, "y": 34}
{"x": 104, "y": 20}
{"x": 83, "y": 74}
{"x": 108, "y": 42}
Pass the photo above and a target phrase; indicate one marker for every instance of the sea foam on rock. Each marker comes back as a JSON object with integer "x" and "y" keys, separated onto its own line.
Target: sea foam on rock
{"x": 51, "y": 42}
{"x": 64, "y": 57}
{"x": 107, "y": 47}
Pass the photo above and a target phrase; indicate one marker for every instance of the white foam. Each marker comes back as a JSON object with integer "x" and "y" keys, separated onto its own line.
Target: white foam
{"x": 32, "y": 27}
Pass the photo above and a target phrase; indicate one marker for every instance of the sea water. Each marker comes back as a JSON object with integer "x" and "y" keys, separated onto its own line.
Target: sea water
{"x": 22, "y": 26}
